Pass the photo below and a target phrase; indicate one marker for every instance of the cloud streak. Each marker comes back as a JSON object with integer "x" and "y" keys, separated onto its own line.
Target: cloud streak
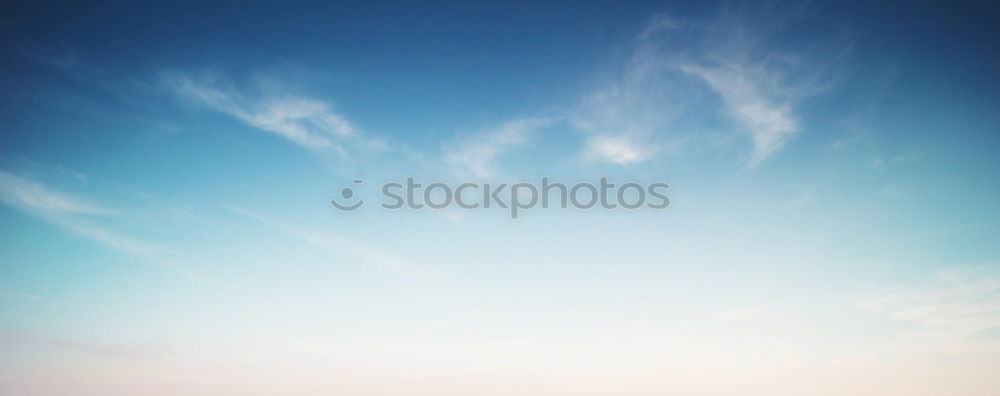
{"x": 331, "y": 243}
{"x": 111, "y": 350}
{"x": 72, "y": 214}
{"x": 478, "y": 154}
{"x": 958, "y": 304}
{"x": 32, "y": 196}
{"x": 306, "y": 122}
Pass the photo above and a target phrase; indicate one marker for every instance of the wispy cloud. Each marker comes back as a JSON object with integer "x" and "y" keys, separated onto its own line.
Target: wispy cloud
{"x": 769, "y": 122}
{"x": 332, "y": 243}
{"x": 621, "y": 150}
{"x": 72, "y": 214}
{"x": 761, "y": 85}
{"x": 478, "y": 153}
{"x": 305, "y": 121}
{"x": 624, "y": 117}
{"x": 114, "y": 350}
{"x": 26, "y": 194}
{"x": 744, "y": 314}
{"x": 957, "y": 304}
{"x": 9, "y": 295}
{"x": 760, "y": 82}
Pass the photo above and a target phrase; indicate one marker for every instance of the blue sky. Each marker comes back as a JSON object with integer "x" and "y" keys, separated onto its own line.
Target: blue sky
{"x": 165, "y": 173}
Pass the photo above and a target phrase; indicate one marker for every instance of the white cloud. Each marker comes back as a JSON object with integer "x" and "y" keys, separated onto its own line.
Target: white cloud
{"x": 618, "y": 149}
{"x": 770, "y": 123}
{"x": 478, "y": 153}
{"x": 652, "y": 104}
{"x": 746, "y": 57}
{"x": 623, "y": 117}
{"x": 307, "y": 122}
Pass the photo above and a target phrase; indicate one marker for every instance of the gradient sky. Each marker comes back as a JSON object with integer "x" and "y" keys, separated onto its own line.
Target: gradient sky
{"x": 165, "y": 173}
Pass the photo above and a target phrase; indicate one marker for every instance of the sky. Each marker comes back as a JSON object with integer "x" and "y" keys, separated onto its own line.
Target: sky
{"x": 166, "y": 172}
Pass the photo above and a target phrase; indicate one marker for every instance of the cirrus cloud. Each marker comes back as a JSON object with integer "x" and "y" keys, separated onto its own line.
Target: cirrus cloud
{"x": 306, "y": 122}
